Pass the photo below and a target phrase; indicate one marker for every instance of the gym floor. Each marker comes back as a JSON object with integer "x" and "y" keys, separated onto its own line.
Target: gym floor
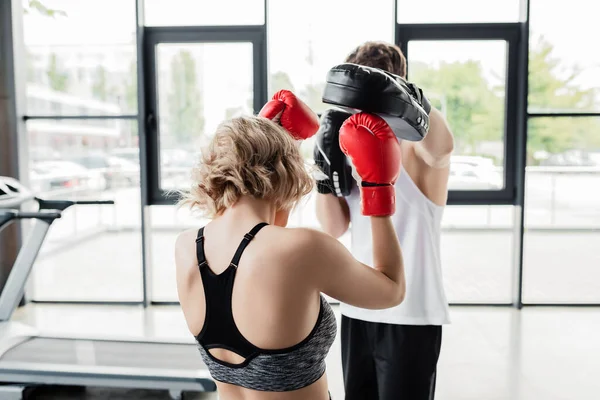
{"x": 488, "y": 353}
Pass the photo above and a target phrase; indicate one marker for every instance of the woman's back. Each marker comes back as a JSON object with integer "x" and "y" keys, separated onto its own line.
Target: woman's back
{"x": 263, "y": 327}
{"x": 273, "y": 329}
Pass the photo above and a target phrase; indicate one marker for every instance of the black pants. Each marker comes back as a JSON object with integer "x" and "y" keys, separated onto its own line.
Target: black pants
{"x": 385, "y": 361}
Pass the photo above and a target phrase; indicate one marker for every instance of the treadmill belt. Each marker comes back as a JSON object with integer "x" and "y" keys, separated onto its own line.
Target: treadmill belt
{"x": 107, "y": 353}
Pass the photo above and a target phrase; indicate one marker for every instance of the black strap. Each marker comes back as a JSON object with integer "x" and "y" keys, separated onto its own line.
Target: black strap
{"x": 200, "y": 247}
{"x": 247, "y": 238}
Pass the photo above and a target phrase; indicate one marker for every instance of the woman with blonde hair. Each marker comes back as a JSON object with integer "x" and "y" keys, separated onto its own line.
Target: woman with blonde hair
{"x": 250, "y": 288}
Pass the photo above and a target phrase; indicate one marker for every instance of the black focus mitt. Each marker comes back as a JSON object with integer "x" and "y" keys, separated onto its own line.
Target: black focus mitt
{"x": 400, "y": 103}
{"x": 337, "y": 172}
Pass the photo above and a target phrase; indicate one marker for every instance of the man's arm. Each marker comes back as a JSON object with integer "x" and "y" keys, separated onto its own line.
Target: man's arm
{"x": 437, "y": 146}
{"x": 333, "y": 214}
{"x": 332, "y": 210}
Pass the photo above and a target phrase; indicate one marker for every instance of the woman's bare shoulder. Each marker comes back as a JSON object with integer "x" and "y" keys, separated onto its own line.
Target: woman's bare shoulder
{"x": 185, "y": 239}
{"x": 301, "y": 242}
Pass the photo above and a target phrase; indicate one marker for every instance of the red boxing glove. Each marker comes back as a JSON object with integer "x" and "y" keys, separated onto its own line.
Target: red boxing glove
{"x": 375, "y": 152}
{"x": 292, "y": 114}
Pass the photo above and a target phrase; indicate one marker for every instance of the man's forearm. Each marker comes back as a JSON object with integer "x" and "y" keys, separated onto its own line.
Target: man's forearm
{"x": 437, "y": 146}
{"x": 333, "y": 214}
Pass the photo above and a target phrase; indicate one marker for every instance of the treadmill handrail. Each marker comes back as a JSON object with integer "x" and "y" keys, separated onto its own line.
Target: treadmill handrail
{"x": 8, "y": 216}
{"x": 62, "y": 205}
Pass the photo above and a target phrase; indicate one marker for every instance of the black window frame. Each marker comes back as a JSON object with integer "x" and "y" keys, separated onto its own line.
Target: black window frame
{"x": 512, "y": 34}
{"x": 152, "y": 37}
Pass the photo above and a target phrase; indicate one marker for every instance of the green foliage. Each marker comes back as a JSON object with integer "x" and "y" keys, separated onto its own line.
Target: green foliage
{"x": 280, "y": 80}
{"x": 547, "y": 91}
{"x": 475, "y": 109}
{"x": 313, "y": 94}
{"x": 237, "y": 111}
{"x": 551, "y": 92}
{"x": 58, "y": 79}
{"x": 39, "y": 7}
{"x": 186, "y": 120}
{"x": 556, "y": 135}
{"x": 131, "y": 88}
{"x": 100, "y": 89}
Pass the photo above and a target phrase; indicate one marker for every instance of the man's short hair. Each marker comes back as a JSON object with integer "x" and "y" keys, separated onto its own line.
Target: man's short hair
{"x": 385, "y": 56}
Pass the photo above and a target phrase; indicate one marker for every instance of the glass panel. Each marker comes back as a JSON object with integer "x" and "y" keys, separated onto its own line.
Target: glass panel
{"x": 204, "y": 12}
{"x": 562, "y": 214}
{"x": 92, "y": 252}
{"x": 75, "y": 64}
{"x": 199, "y": 85}
{"x": 563, "y": 76}
{"x": 466, "y": 81}
{"x": 319, "y": 35}
{"x": 477, "y": 253}
{"x": 457, "y": 11}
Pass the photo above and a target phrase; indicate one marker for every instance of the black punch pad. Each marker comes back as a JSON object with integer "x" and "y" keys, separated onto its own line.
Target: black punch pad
{"x": 380, "y": 92}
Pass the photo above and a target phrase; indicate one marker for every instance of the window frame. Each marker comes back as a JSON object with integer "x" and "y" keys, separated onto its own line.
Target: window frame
{"x": 511, "y": 34}
{"x": 152, "y": 37}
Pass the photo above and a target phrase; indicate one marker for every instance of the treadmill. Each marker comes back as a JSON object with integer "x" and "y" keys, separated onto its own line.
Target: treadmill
{"x": 28, "y": 358}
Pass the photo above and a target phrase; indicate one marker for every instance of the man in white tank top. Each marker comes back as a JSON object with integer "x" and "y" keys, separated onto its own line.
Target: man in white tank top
{"x": 393, "y": 353}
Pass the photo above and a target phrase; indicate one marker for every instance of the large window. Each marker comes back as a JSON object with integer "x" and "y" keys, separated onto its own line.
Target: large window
{"x": 562, "y": 216}
{"x": 469, "y": 72}
{"x": 205, "y": 61}
{"x": 196, "y": 78}
{"x": 198, "y": 86}
{"x": 79, "y": 67}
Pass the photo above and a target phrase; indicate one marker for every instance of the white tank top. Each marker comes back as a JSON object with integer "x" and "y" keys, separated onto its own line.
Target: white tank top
{"x": 418, "y": 224}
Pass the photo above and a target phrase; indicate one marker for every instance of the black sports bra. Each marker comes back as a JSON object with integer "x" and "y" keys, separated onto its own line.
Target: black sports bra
{"x": 278, "y": 370}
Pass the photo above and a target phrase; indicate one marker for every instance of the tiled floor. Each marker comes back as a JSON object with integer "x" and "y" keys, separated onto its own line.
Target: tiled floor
{"x": 487, "y": 353}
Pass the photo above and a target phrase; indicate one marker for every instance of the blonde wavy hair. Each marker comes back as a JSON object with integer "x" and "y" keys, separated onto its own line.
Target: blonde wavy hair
{"x": 248, "y": 156}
